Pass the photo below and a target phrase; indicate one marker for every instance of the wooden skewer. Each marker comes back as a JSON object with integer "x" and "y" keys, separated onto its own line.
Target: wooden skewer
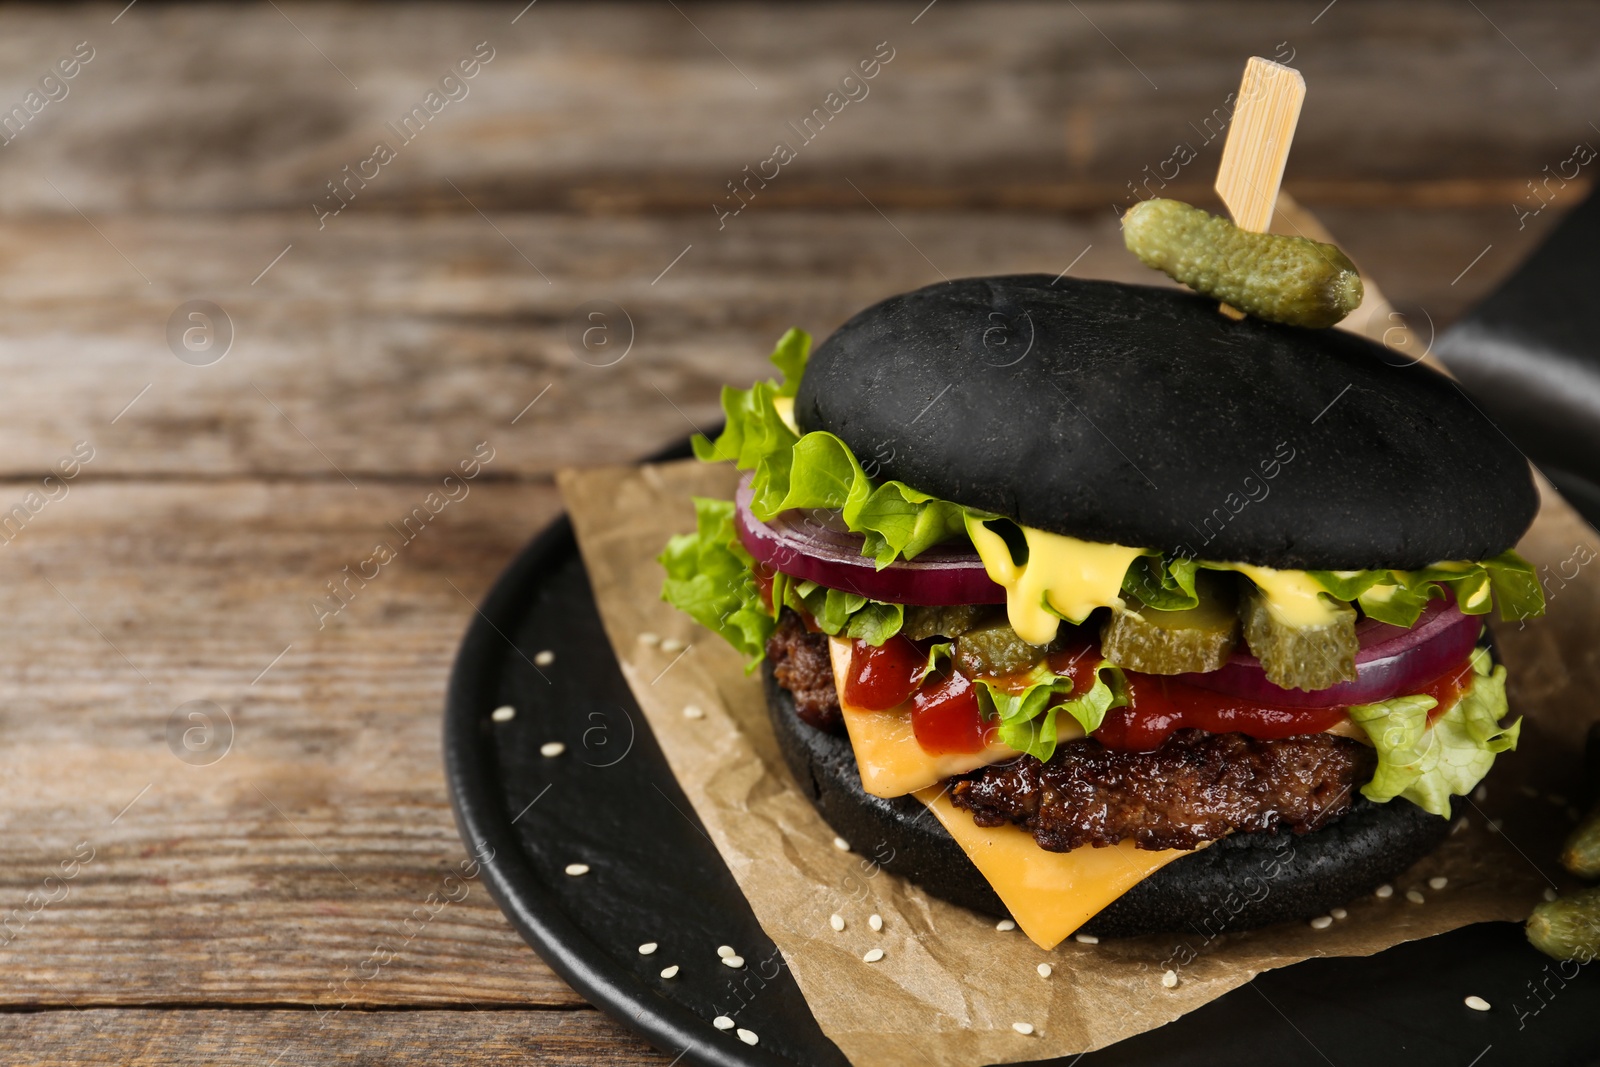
{"x": 1265, "y": 115}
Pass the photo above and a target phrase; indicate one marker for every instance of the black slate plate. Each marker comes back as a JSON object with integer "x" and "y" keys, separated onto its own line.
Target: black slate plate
{"x": 611, "y": 802}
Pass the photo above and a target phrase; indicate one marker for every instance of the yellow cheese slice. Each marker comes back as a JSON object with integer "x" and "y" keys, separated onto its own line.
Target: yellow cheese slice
{"x": 1049, "y": 894}
{"x": 888, "y": 756}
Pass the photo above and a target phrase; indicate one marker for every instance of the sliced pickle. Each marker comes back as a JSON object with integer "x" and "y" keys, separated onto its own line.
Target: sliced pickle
{"x": 993, "y": 649}
{"x": 1300, "y": 657}
{"x": 1197, "y": 639}
{"x": 947, "y": 621}
{"x": 1276, "y": 277}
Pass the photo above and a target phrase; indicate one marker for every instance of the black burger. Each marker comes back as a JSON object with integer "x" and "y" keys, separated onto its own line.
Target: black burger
{"x": 1172, "y": 621}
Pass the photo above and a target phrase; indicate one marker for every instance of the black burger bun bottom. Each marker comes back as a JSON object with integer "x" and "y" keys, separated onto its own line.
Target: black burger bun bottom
{"x": 1140, "y": 416}
{"x": 1238, "y": 883}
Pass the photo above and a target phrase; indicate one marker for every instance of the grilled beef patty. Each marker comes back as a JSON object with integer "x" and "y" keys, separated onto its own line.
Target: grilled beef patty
{"x": 1196, "y": 787}
{"x": 801, "y": 665}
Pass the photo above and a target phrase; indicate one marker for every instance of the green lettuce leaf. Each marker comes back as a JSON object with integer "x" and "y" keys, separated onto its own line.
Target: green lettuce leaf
{"x": 1028, "y": 717}
{"x": 1516, "y": 586}
{"x": 794, "y": 348}
{"x": 939, "y": 651}
{"x": 1426, "y": 765}
{"x": 818, "y": 470}
{"x": 838, "y": 613}
{"x": 709, "y": 579}
{"x": 1163, "y": 584}
{"x": 1398, "y": 597}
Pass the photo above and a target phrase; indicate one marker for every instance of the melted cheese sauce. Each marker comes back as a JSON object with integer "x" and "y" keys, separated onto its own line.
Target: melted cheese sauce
{"x": 784, "y": 406}
{"x": 1293, "y": 597}
{"x": 1077, "y": 577}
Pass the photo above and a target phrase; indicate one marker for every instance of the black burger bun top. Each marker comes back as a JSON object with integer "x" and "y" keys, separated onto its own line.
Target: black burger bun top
{"x": 1142, "y": 416}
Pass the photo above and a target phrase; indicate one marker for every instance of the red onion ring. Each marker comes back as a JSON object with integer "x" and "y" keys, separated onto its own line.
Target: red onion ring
{"x": 814, "y": 544}
{"x": 1393, "y": 660}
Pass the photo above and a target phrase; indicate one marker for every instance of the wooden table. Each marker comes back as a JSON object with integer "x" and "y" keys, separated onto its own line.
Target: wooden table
{"x": 166, "y": 905}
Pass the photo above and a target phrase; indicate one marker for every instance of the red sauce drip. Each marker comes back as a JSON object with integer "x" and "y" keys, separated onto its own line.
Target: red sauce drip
{"x": 1447, "y": 688}
{"x": 763, "y": 575}
{"x": 881, "y": 677}
{"x": 946, "y": 718}
{"x": 1158, "y": 706}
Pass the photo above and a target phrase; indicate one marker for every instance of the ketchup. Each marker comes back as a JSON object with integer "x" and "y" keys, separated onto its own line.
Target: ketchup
{"x": 946, "y": 718}
{"x": 881, "y": 677}
{"x": 763, "y": 575}
{"x": 1158, "y": 705}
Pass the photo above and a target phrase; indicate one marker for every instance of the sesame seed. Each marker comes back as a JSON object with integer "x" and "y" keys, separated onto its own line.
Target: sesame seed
{"x": 1438, "y": 881}
{"x": 1384, "y": 891}
{"x": 873, "y": 955}
{"x": 735, "y": 962}
{"x": 836, "y": 921}
{"x": 722, "y": 1022}
{"x": 577, "y": 869}
{"x": 544, "y": 659}
{"x": 1322, "y": 922}
{"x": 1044, "y": 970}
{"x": 841, "y": 844}
{"x": 1460, "y": 825}
{"x": 1476, "y": 1003}
{"x": 1529, "y": 791}
{"x": 671, "y": 644}
{"x": 1481, "y": 794}
{"x": 1339, "y": 913}
{"x": 1415, "y": 897}
{"x": 1557, "y": 799}
{"x": 748, "y": 1036}
{"x": 1023, "y": 1028}
{"x": 875, "y": 921}
{"x": 504, "y": 713}
{"x": 1005, "y": 924}
{"x": 692, "y": 711}
{"x": 725, "y": 951}
{"x": 649, "y": 638}
{"x": 1550, "y": 895}
{"x": 648, "y": 948}
{"x": 1170, "y": 979}
{"x": 551, "y": 749}
{"x": 670, "y": 972}
{"x": 1086, "y": 939}
{"x": 1495, "y": 824}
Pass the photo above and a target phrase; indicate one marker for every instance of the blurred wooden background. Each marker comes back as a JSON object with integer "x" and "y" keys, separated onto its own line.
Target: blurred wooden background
{"x": 372, "y": 350}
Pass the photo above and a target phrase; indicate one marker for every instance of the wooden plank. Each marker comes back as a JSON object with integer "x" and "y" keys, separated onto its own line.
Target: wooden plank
{"x": 382, "y": 350}
{"x": 274, "y": 874}
{"x": 301, "y": 1039}
{"x": 641, "y": 107}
